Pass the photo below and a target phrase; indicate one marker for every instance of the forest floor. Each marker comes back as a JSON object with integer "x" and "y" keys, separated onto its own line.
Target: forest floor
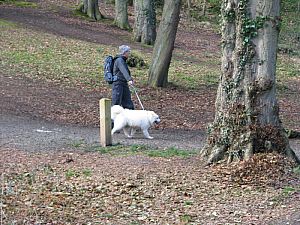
{"x": 54, "y": 172}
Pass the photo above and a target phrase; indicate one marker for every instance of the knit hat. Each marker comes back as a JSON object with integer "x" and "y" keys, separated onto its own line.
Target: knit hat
{"x": 123, "y": 49}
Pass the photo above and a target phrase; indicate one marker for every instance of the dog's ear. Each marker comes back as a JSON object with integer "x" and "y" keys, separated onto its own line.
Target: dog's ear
{"x": 153, "y": 114}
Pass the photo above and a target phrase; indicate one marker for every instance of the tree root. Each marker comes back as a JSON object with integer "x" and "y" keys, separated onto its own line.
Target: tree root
{"x": 216, "y": 154}
{"x": 292, "y": 133}
{"x": 291, "y": 154}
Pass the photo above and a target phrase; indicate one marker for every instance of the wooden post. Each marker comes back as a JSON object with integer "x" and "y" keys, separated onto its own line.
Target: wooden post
{"x": 105, "y": 122}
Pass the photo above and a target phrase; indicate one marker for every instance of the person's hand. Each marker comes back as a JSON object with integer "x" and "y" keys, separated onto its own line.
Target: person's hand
{"x": 130, "y": 82}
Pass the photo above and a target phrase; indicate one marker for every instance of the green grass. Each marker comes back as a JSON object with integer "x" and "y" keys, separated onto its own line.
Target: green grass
{"x": 19, "y": 3}
{"x": 136, "y": 149}
{"x": 288, "y": 67}
{"x": 119, "y": 150}
{"x": 289, "y": 37}
{"x": 211, "y": 78}
{"x": 78, "y": 63}
{"x": 71, "y": 173}
{"x": 78, "y": 143}
{"x": 106, "y": 215}
{"x": 4, "y": 24}
{"x": 45, "y": 56}
{"x": 288, "y": 190}
{"x": 281, "y": 87}
{"x": 170, "y": 152}
{"x": 186, "y": 219}
{"x": 111, "y": 150}
{"x": 87, "y": 172}
{"x": 296, "y": 170}
{"x": 193, "y": 75}
{"x": 188, "y": 203}
{"x": 285, "y": 193}
{"x": 78, "y": 13}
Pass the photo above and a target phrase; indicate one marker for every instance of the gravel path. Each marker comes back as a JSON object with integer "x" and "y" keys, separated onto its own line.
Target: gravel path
{"x": 34, "y": 134}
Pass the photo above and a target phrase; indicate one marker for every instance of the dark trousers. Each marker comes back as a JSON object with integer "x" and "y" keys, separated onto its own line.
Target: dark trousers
{"x": 121, "y": 95}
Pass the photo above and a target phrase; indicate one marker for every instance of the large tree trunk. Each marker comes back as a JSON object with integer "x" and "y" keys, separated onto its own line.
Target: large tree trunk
{"x": 121, "y": 14}
{"x": 145, "y": 22}
{"x": 91, "y": 8}
{"x": 247, "y": 112}
{"x": 164, "y": 44}
{"x": 139, "y": 20}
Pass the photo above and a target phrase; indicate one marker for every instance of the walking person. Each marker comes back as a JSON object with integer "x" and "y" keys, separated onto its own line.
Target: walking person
{"x": 120, "y": 91}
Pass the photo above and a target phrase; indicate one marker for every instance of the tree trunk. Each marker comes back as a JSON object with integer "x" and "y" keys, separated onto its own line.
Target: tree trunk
{"x": 139, "y": 20}
{"x": 145, "y": 22}
{"x": 164, "y": 44}
{"x": 247, "y": 112}
{"x": 189, "y": 8}
{"x": 83, "y": 6}
{"x": 204, "y": 7}
{"x": 121, "y": 15}
{"x": 93, "y": 10}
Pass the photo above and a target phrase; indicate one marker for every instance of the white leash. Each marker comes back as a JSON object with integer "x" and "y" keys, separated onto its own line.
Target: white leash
{"x": 137, "y": 96}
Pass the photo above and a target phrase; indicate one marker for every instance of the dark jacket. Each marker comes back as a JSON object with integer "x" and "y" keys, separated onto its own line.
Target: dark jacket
{"x": 121, "y": 69}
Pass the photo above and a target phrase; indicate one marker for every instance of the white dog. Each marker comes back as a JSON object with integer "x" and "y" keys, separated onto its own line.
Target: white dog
{"x": 129, "y": 120}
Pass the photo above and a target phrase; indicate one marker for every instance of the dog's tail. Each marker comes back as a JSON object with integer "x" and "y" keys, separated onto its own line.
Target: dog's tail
{"x": 116, "y": 110}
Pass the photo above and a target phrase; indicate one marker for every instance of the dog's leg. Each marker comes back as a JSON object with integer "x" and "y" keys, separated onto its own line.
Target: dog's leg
{"x": 114, "y": 130}
{"x": 127, "y": 132}
{"x": 132, "y": 132}
{"x": 118, "y": 125}
{"x": 146, "y": 134}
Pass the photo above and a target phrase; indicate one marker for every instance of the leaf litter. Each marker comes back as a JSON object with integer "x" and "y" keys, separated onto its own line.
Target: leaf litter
{"x": 89, "y": 188}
